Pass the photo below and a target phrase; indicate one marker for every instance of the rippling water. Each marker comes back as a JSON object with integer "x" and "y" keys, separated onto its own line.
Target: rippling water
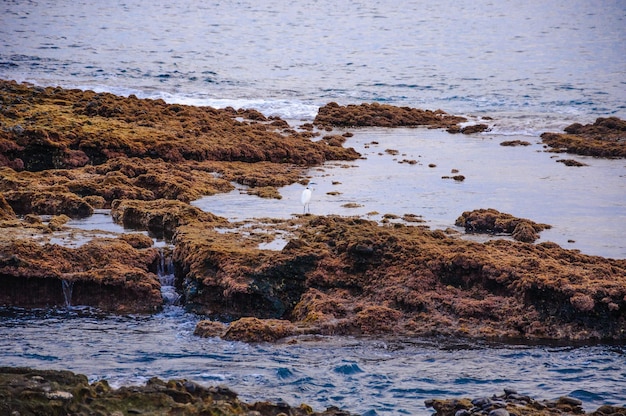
{"x": 533, "y": 66}
{"x": 515, "y": 59}
{"x": 368, "y": 376}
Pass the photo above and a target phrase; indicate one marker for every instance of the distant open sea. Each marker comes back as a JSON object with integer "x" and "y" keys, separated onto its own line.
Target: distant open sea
{"x": 533, "y": 66}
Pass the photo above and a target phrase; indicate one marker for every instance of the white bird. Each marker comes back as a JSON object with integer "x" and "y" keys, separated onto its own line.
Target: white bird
{"x": 305, "y": 199}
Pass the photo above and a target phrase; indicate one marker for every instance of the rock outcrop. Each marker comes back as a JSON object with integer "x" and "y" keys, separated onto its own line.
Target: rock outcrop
{"x": 491, "y": 221}
{"x": 65, "y": 153}
{"x": 70, "y": 151}
{"x": 109, "y": 274}
{"x": 352, "y": 276}
{"x": 383, "y": 115}
{"x": 604, "y": 138}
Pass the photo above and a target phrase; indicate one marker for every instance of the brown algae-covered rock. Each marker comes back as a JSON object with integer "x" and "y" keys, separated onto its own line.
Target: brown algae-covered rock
{"x": 64, "y": 153}
{"x": 492, "y": 221}
{"x": 352, "y": 276}
{"x": 6, "y": 212}
{"x": 52, "y": 128}
{"x": 382, "y": 115}
{"x": 226, "y": 276}
{"x": 106, "y": 273}
{"x": 606, "y": 137}
{"x": 259, "y": 330}
{"x": 161, "y": 217}
{"x": 70, "y": 151}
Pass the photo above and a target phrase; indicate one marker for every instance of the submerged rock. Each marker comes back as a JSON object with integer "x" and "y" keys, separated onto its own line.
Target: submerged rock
{"x": 27, "y": 391}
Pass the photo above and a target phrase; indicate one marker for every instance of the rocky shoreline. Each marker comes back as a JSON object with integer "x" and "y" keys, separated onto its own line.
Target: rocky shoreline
{"x": 67, "y": 153}
{"x": 512, "y": 403}
{"x": 25, "y": 392}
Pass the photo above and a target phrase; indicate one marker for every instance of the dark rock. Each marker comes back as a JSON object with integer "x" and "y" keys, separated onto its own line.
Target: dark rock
{"x": 26, "y": 391}
{"x": 508, "y": 391}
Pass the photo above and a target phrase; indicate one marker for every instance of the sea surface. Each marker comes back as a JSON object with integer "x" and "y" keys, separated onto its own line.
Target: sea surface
{"x": 530, "y": 66}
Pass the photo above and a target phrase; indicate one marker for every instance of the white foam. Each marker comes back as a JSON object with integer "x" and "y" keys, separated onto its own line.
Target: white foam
{"x": 284, "y": 108}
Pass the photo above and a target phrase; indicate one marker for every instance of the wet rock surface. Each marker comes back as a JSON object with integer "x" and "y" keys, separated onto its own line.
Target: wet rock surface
{"x": 512, "y": 403}
{"x": 606, "y": 137}
{"x": 66, "y": 153}
{"x": 491, "y": 221}
{"x": 146, "y": 160}
{"x": 70, "y": 151}
{"x": 343, "y": 276}
{"x": 110, "y": 274}
{"x": 383, "y": 115}
{"x": 28, "y": 392}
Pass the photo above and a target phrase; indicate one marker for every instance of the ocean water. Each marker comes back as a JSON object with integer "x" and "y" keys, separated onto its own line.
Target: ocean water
{"x": 531, "y": 66}
{"x": 365, "y": 376}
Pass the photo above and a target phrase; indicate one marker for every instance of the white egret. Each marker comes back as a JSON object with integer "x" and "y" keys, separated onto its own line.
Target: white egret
{"x": 305, "y": 199}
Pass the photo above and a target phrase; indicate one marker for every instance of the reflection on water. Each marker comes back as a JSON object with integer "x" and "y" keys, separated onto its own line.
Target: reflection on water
{"x": 402, "y": 173}
{"x": 408, "y": 171}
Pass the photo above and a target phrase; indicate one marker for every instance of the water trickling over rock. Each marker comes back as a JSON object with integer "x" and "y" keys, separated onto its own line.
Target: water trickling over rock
{"x": 167, "y": 278}
{"x": 68, "y": 288}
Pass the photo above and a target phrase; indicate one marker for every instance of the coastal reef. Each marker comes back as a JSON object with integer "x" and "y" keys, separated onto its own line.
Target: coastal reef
{"x": 606, "y": 137}
{"x": 348, "y": 276}
{"x": 29, "y": 392}
{"x": 69, "y": 154}
{"x": 64, "y": 154}
{"x": 70, "y": 151}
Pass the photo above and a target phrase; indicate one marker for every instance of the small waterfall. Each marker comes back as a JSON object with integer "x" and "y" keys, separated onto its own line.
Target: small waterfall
{"x": 165, "y": 272}
{"x": 68, "y": 287}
